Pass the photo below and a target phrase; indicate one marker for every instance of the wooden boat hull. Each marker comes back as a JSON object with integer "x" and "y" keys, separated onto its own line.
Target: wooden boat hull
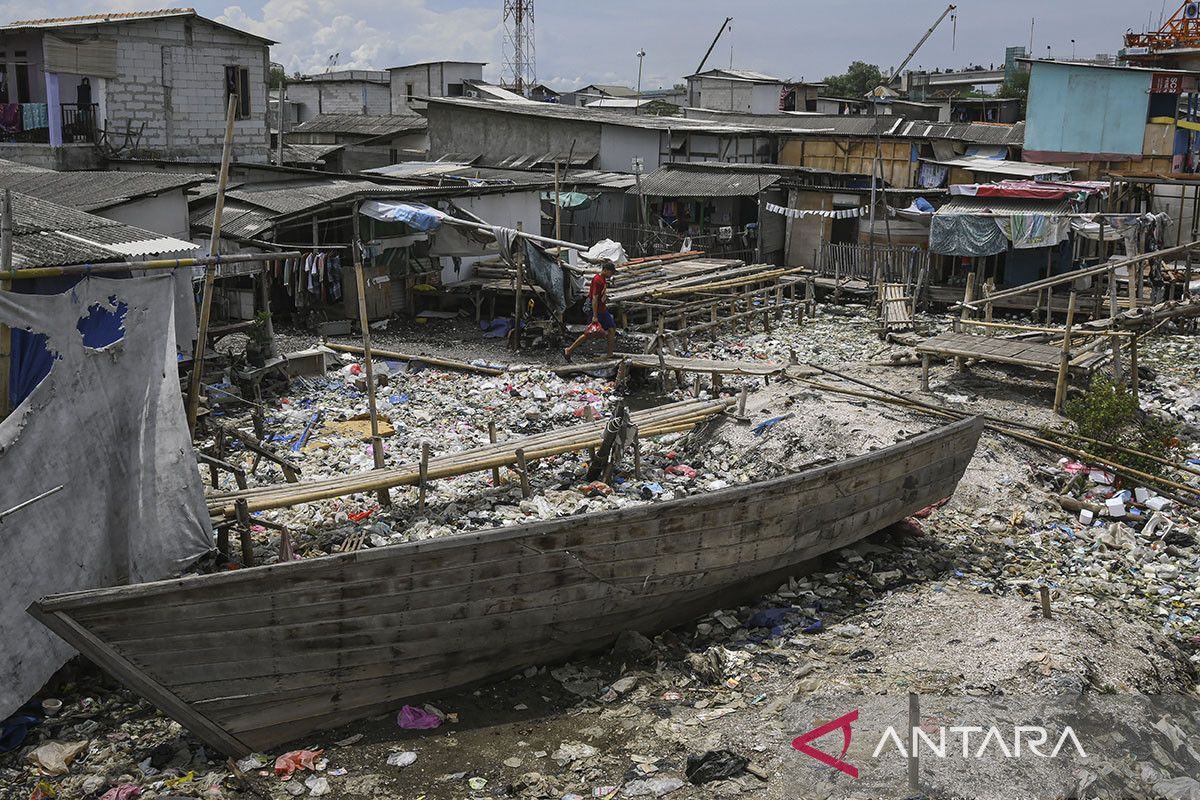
{"x": 252, "y": 659}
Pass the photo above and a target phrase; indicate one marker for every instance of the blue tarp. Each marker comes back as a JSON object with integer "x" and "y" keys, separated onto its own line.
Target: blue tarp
{"x": 417, "y": 216}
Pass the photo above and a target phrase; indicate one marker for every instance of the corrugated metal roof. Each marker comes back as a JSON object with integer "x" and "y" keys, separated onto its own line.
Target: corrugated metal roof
{"x": 671, "y": 182}
{"x": 46, "y": 234}
{"x": 110, "y": 17}
{"x": 1023, "y": 169}
{"x": 293, "y": 197}
{"x": 92, "y": 190}
{"x": 438, "y": 172}
{"x": 1003, "y": 205}
{"x": 362, "y": 124}
{"x": 308, "y": 153}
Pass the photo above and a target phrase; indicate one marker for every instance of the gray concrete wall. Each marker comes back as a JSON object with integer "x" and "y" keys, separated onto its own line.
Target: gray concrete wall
{"x": 498, "y": 135}
{"x": 166, "y": 214}
{"x": 171, "y": 77}
{"x": 67, "y": 157}
{"x": 620, "y": 145}
{"x": 341, "y": 97}
{"x": 428, "y": 80}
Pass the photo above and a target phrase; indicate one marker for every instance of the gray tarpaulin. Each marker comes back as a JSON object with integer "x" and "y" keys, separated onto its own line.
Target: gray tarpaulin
{"x": 966, "y": 235}
{"x": 108, "y": 425}
{"x": 546, "y": 273}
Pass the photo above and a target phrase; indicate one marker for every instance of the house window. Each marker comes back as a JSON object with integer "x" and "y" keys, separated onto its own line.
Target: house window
{"x": 454, "y": 90}
{"x": 408, "y": 92}
{"x": 237, "y": 84}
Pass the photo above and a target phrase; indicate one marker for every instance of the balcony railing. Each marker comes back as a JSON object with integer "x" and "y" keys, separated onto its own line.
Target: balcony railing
{"x": 79, "y": 122}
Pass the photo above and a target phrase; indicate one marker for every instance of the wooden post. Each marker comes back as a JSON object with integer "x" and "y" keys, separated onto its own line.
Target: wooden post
{"x": 637, "y": 454}
{"x": 925, "y": 372}
{"x": 1044, "y": 592}
{"x": 1113, "y": 310}
{"x": 519, "y": 296}
{"x": 662, "y": 364}
{"x": 914, "y": 763}
{"x": 716, "y": 384}
{"x": 622, "y": 373}
{"x": 741, "y": 406}
{"x": 696, "y": 385}
{"x": 6, "y": 234}
{"x": 523, "y": 468}
{"x": 1134, "y": 378}
{"x": 968, "y": 295}
{"x": 210, "y": 272}
{"x": 423, "y": 477}
{"x": 385, "y": 498}
{"x": 243, "y": 515}
{"x": 1064, "y": 362}
{"x": 492, "y": 439}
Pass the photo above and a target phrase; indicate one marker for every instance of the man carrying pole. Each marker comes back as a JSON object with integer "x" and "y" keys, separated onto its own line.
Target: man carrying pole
{"x": 601, "y": 319}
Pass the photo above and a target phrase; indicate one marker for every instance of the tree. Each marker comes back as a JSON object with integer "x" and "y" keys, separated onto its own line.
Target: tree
{"x": 859, "y": 79}
{"x": 1017, "y": 87}
{"x": 276, "y": 77}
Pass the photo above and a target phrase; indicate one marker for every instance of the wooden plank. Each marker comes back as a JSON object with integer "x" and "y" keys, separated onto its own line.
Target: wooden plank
{"x": 116, "y": 665}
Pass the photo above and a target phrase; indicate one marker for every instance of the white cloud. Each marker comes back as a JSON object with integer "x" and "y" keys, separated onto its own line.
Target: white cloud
{"x": 370, "y": 35}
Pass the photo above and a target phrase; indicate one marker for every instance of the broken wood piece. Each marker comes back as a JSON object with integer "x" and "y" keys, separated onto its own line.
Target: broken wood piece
{"x": 523, "y": 469}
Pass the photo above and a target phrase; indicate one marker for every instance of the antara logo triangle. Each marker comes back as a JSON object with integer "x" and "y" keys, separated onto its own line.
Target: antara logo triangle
{"x": 842, "y": 723}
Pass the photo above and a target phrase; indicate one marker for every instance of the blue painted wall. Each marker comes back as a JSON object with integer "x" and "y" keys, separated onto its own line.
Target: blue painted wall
{"x": 1074, "y": 109}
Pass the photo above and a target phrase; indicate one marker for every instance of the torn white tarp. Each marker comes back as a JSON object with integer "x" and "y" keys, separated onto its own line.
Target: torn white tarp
{"x": 607, "y": 250}
{"x": 107, "y": 424}
{"x": 417, "y": 216}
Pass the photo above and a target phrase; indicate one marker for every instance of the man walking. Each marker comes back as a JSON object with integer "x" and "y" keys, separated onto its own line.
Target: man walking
{"x": 601, "y": 319}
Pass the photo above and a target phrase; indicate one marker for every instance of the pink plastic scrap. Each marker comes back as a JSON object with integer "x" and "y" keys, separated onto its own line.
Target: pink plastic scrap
{"x": 295, "y": 761}
{"x": 417, "y": 719}
{"x": 126, "y": 791}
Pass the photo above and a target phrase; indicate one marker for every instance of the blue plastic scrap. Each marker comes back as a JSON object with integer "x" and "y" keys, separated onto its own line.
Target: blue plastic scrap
{"x": 766, "y": 425}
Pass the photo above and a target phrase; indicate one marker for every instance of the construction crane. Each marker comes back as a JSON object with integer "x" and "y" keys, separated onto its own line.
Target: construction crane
{"x": 716, "y": 38}
{"x": 1182, "y": 30}
{"x": 950, "y": 9}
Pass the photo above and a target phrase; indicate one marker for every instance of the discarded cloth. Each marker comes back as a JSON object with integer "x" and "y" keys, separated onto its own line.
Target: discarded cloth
{"x": 14, "y": 729}
{"x": 419, "y": 719}
{"x": 546, "y": 273}
{"x": 126, "y": 791}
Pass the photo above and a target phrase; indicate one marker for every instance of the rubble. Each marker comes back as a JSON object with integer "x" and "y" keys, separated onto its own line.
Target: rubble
{"x": 894, "y": 613}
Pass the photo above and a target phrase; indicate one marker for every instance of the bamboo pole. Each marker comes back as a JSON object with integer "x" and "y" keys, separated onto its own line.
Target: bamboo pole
{"x": 424, "y": 479}
{"x": 492, "y": 440}
{"x": 523, "y": 469}
{"x": 110, "y": 267}
{"x": 385, "y": 499}
{"x": 448, "y": 363}
{"x": 1113, "y": 310}
{"x": 1064, "y": 363}
{"x": 6, "y": 236}
{"x": 519, "y": 301}
{"x": 210, "y": 272}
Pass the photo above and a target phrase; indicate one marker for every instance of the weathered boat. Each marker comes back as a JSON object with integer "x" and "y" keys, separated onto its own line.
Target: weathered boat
{"x": 251, "y": 659}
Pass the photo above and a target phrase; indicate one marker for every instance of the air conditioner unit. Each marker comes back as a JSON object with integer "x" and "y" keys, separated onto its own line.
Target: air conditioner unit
{"x": 1191, "y": 11}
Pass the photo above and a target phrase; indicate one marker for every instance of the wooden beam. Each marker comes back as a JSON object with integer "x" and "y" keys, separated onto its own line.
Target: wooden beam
{"x": 210, "y": 272}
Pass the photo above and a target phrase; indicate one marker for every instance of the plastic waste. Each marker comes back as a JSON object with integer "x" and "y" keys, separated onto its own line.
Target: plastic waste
{"x": 402, "y": 758}
{"x": 54, "y": 758}
{"x": 413, "y": 718}
{"x": 714, "y": 765}
{"x": 126, "y": 791}
{"x": 296, "y": 760}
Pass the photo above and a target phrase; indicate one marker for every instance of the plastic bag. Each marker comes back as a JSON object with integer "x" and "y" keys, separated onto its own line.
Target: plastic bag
{"x": 715, "y": 765}
{"x": 54, "y": 758}
{"x": 417, "y": 719}
{"x": 296, "y": 760}
{"x": 593, "y": 328}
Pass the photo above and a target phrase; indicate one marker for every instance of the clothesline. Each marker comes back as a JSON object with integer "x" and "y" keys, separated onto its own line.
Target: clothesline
{"x": 845, "y": 213}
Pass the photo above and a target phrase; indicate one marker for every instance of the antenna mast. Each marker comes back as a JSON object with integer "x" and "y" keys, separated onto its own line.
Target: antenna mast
{"x": 520, "y": 57}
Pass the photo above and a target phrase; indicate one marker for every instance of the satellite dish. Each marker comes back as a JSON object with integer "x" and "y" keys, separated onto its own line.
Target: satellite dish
{"x": 1191, "y": 11}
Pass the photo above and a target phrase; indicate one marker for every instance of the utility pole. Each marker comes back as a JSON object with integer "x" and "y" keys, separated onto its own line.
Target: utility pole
{"x": 641, "y": 54}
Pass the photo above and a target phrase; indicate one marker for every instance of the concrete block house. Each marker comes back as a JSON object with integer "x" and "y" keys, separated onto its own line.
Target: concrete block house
{"x": 144, "y": 84}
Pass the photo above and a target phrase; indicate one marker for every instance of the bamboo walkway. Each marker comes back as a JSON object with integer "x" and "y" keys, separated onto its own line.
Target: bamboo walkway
{"x": 670, "y": 418}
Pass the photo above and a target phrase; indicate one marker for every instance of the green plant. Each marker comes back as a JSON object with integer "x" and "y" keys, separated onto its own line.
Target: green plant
{"x": 260, "y": 331}
{"x": 1110, "y": 414}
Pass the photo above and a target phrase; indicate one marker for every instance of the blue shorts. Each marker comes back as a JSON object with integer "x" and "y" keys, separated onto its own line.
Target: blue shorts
{"x": 606, "y": 320}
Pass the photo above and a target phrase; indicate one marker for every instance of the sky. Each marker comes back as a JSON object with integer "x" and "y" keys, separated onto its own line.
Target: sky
{"x": 595, "y": 41}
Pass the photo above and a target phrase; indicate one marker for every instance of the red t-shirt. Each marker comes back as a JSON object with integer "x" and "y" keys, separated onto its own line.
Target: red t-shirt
{"x": 596, "y": 293}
